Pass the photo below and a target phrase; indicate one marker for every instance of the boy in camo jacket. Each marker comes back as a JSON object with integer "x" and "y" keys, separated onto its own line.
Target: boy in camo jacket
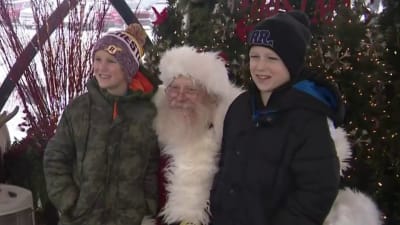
{"x": 101, "y": 164}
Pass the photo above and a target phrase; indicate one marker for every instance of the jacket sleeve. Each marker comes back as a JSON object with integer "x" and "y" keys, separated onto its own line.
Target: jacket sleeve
{"x": 315, "y": 169}
{"x": 151, "y": 181}
{"x": 58, "y": 163}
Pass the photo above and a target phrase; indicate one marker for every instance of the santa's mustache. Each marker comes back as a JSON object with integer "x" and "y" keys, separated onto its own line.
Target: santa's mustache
{"x": 182, "y": 106}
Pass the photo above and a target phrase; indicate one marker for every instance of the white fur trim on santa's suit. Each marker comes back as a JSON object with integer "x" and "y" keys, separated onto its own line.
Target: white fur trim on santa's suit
{"x": 206, "y": 67}
{"x": 351, "y": 207}
{"x": 189, "y": 176}
{"x": 192, "y": 166}
{"x": 342, "y": 145}
{"x": 148, "y": 220}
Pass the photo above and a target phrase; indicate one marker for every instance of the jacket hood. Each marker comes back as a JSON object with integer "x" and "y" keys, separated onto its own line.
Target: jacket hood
{"x": 311, "y": 94}
{"x": 319, "y": 96}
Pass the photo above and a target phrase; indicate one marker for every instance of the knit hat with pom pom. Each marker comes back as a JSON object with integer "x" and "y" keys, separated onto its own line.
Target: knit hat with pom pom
{"x": 126, "y": 46}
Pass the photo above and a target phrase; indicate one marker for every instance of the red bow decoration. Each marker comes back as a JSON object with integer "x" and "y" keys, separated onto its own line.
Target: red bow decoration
{"x": 257, "y": 12}
{"x": 160, "y": 17}
{"x": 241, "y": 30}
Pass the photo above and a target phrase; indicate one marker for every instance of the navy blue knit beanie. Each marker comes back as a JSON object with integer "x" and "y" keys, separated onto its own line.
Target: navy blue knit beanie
{"x": 288, "y": 34}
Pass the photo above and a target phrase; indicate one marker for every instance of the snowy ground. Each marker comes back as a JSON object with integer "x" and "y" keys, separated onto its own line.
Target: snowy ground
{"x": 15, "y": 132}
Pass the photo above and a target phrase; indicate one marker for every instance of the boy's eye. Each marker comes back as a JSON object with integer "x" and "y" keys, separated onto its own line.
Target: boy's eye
{"x": 254, "y": 56}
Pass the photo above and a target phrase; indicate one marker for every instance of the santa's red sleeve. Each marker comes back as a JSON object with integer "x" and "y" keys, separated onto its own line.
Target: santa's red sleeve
{"x": 162, "y": 196}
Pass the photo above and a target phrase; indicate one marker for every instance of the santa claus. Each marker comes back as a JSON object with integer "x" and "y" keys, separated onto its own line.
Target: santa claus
{"x": 191, "y": 105}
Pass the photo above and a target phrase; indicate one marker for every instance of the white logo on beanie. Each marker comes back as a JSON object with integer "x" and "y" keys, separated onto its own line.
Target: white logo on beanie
{"x": 261, "y": 37}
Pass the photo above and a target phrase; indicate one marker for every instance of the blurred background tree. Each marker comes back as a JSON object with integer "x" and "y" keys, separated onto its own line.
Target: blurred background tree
{"x": 353, "y": 46}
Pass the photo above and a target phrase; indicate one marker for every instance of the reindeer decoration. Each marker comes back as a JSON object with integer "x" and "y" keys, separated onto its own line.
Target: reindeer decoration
{"x": 4, "y": 134}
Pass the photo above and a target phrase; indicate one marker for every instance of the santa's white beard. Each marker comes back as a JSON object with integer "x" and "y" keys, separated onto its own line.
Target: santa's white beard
{"x": 182, "y": 124}
{"x": 192, "y": 149}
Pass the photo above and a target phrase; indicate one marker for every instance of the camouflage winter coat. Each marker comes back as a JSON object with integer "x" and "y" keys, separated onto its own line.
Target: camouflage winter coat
{"x": 99, "y": 170}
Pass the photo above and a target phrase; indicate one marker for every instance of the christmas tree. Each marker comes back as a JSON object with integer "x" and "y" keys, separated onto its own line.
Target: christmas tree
{"x": 352, "y": 47}
{"x": 353, "y": 55}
